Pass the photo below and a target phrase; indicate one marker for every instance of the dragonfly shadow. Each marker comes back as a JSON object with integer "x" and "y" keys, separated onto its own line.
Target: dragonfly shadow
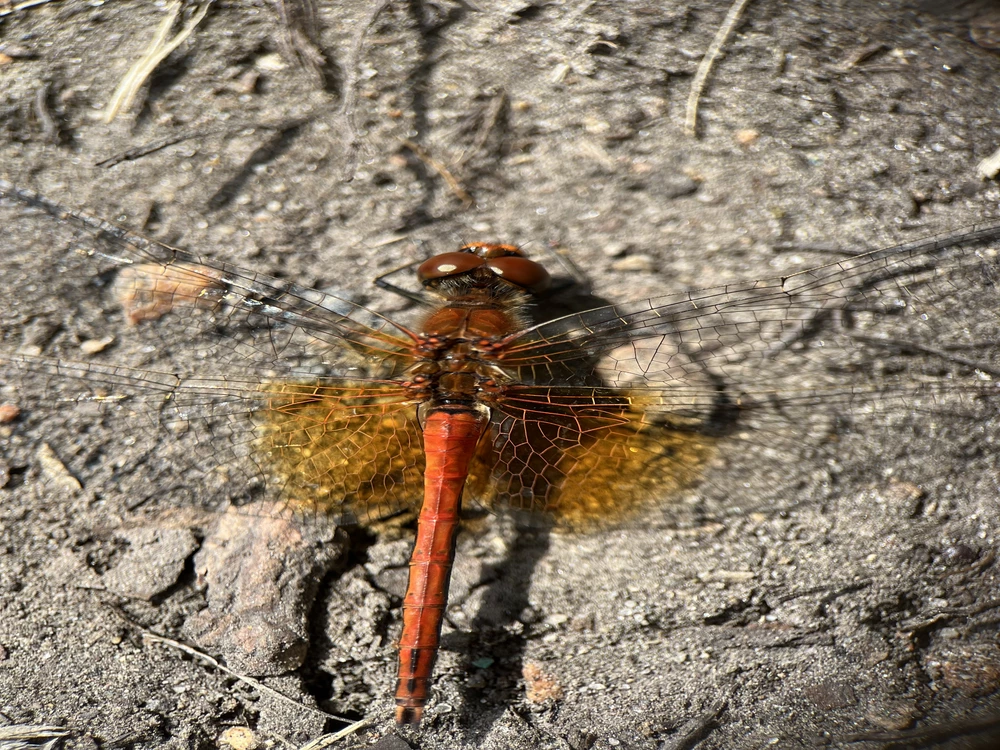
{"x": 502, "y": 627}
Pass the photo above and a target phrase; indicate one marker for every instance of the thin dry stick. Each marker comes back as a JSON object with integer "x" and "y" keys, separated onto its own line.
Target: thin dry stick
{"x": 328, "y": 739}
{"x": 300, "y": 25}
{"x": 490, "y": 121}
{"x": 30, "y": 733}
{"x": 138, "y": 152}
{"x": 256, "y": 684}
{"x": 22, "y": 6}
{"x": 159, "y": 49}
{"x": 705, "y": 66}
{"x": 151, "y": 637}
{"x": 354, "y": 56}
{"x": 421, "y": 153}
{"x": 50, "y": 130}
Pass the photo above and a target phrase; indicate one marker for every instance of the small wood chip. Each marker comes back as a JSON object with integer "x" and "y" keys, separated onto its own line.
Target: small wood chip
{"x": 55, "y": 471}
{"x": 95, "y": 346}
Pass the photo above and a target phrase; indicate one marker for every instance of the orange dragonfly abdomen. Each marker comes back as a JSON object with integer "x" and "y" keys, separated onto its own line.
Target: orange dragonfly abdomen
{"x": 451, "y": 435}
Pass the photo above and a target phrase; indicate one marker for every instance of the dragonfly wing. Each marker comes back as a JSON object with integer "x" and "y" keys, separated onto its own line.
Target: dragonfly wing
{"x": 656, "y": 390}
{"x": 724, "y": 328}
{"x": 259, "y": 367}
{"x": 350, "y": 449}
{"x": 355, "y": 450}
{"x": 586, "y": 457}
{"x": 225, "y": 313}
{"x": 582, "y": 456}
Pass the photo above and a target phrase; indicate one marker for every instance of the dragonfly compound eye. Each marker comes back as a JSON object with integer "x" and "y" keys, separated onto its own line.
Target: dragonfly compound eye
{"x": 521, "y": 271}
{"x": 447, "y": 264}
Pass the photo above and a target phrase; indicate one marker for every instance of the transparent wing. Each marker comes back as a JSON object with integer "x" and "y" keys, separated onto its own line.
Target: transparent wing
{"x": 624, "y": 399}
{"x": 755, "y": 319}
{"x": 351, "y": 449}
{"x": 244, "y": 316}
{"x": 250, "y": 380}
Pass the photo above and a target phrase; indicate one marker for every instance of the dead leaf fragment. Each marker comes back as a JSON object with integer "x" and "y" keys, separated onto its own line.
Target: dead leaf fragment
{"x": 55, "y": 471}
{"x": 150, "y": 290}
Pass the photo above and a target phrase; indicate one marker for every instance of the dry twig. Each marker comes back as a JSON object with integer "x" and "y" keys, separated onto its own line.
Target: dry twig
{"x": 350, "y": 95}
{"x": 50, "y": 130}
{"x": 151, "y": 637}
{"x": 300, "y": 23}
{"x": 453, "y": 184}
{"x": 705, "y": 66}
{"x": 159, "y": 49}
{"x": 31, "y": 735}
{"x": 498, "y": 103}
{"x": 22, "y": 6}
{"x": 328, "y": 739}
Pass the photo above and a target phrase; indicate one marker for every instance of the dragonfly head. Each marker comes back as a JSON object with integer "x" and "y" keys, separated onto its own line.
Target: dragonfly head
{"x": 505, "y": 262}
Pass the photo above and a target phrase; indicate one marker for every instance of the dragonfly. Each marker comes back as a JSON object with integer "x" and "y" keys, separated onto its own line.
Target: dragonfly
{"x": 584, "y": 419}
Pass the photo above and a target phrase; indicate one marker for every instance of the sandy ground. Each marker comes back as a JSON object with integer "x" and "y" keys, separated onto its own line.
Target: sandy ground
{"x": 847, "y": 600}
